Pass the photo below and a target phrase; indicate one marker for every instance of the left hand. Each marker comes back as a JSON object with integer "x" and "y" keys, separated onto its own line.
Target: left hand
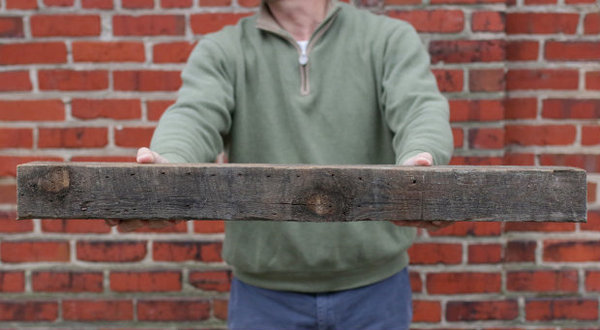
{"x": 422, "y": 159}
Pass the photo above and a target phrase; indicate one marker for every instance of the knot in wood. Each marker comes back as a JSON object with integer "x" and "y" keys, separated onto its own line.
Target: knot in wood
{"x": 55, "y": 180}
{"x": 321, "y": 204}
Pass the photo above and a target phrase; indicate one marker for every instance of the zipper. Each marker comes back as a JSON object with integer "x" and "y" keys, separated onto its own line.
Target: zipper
{"x": 303, "y": 56}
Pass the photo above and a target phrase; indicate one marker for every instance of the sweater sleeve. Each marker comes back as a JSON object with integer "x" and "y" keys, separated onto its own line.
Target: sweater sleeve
{"x": 414, "y": 109}
{"x": 192, "y": 129}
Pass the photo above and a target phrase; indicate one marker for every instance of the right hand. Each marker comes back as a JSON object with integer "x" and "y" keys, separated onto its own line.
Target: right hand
{"x": 144, "y": 156}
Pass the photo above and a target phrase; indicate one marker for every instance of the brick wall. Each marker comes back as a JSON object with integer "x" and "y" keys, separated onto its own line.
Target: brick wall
{"x": 86, "y": 80}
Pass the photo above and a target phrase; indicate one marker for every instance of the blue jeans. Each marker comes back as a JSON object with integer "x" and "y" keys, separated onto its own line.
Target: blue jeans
{"x": 385, "y": 305}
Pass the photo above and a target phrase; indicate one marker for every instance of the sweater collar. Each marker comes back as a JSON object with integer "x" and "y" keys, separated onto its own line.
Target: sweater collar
{"x": 266, "y": 20}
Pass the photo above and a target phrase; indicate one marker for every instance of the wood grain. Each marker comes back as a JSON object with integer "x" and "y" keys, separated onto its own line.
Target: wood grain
{"x": 300, "y": 192}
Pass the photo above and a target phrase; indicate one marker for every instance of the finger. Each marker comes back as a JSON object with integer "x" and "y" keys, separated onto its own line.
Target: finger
{"x": 159, "y": 224}
{"x": 145, "y": 156}
{"x": 423, "y": 159}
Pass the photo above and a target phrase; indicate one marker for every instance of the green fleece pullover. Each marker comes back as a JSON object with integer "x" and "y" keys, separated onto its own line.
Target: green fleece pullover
{"x": 362, "y": 93}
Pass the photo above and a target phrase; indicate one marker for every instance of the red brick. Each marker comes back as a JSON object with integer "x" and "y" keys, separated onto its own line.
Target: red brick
{"x": 73, "y": 137}
{"x": 561, "y": 309}
{"x": 97, "y": 310}
{"x": 34, "y": 251}
{"x": 435, "y": 253}
{"x": 14, "y": 81}
{"x": 33, "y": 53}
{"x": 591, "y": 23}
{"x": 72, "y": 80}
{"x": 486, "y": 138}
{"x": 209, "y": 226}
{"x": 592, "y": 80}
{"x": 54, "y": 281}
{"x": 108, "y": 158}
{"x": 8, "y": 195}
{"x": 526, "y": 135}
{"x": 475, "y": 160}
{"x": 21, "y": 4}
{"x": 12, "y": 281}
{"x": 108, "y": 51}
{"x": 520, "y": 108}
{"x": 461, "y": 283}
{"x": 180, "y": 227}
{"x": 9, "y": 224}
{"x": 593, "y": 221}
{"x": 571, "y": 108}
{"x": 486, "y": 80}
{"x": 590, "y": 163}
{"x": 16, "y": 138}
{"x": 97, "y": 4}
{"x": 133, "y": 136}
{"x": 572, "y": 2}
{"x": 75, "y": 226}
{"x": 173, "y": 310}
{"x": 65, "y": 25}
{"x": 449, "y": 80}
{"x": 32, "y": 110}
{"x": 487, "y": 21}
{"x": 519, "y": 159}
{"x": 592, "y": 280}
{"x": 572, "y": 51}
{"x": 485, "y": 253}
{"x": 156, "y": 281}
{"x": 220, "y": 307}
{"x": 542, "y": 281}
{"x": 571, "y": 251}
{"x": 137, "y": 4}
{"x": 157, "y": 108}
{"x": 399, "y": 2}
{"x": 149, "y": 25}
{"x": 590, "y": 135}
{"x": 106, "y": 108}
{"x": 147, "y": 81}
{"x": 466, "y": 2}
{"x": 591, "y": 192}
{"x": 59, "y": 3}
{"x": 466, "y": 51}
{"x": 28, "y": 311}
{"x": 521, "y": 50}
{"x": 213, "y": 22}
{"x": 540, "y": 2}
{"x": 8, "y": 164}
{"x": 11, "y": 27}
{"x": 476, "y": 110}
{"x": 175, "y": 3}
{"x": 541, "y": 23}
{"x": 172, "y": 52}
{"x": 520, "y": 251}
{"x": 426, "y": 311}
{"x": 111, "y": 251}
{"x": 432, "y": 21}
{"x": 546, "y": 227}
{"x": 506, "y": 310}
{"x": 214, "y": 3}
{"x": 219, "y": 281}
{"x": 186, "y": 251}
{"x": 459, "y": 136}
{"x": 469, "y": 229}
{"x": 552, "y": 79}
{"x": 416, "y": 284}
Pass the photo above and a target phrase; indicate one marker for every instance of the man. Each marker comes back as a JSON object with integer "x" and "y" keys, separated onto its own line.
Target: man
{"x": 312, "y": 82}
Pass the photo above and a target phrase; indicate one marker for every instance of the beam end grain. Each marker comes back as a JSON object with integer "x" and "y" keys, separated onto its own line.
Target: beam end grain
{"x": 300, "y": 192}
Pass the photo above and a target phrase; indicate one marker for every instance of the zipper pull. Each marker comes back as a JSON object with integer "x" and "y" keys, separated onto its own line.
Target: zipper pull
{"x": 303, "y": 59}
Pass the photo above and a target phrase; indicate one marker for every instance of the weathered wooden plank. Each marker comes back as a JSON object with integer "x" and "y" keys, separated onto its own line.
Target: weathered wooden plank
{"x": 300, "y": 193}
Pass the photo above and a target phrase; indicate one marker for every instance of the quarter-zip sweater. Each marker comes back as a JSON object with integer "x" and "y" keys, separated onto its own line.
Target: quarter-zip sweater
{"x": 362, "y": 93}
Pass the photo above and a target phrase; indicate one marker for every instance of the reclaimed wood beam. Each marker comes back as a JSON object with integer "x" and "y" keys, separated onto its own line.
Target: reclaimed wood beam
{"x": 300, "y": 192}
